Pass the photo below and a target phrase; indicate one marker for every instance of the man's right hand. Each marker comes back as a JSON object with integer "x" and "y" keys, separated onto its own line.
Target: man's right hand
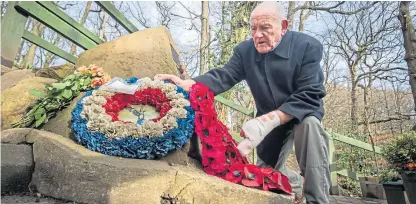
{"x": 185, "y": 84}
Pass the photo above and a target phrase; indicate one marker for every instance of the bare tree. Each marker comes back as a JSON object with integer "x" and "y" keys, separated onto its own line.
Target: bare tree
{"x": 164, "y": 10}
{"x": 312, "y": 7}
{"x": 37, "y": 29}
{"x": 82, "y": 22}
{"x": 204, "y": 50}
{"x": 409, "y": 37}
{"x": 101, "y": 29}
{"x": 356, "y": 42}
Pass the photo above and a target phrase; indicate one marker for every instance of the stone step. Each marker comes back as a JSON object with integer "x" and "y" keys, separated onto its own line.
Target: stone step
{"x": 26, "y": 198}
{"x": 68, "y": 171}
{"x": 16, "y": 167}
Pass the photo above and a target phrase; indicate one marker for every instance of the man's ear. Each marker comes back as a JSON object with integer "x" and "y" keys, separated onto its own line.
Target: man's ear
{"x": 285, "y": 24}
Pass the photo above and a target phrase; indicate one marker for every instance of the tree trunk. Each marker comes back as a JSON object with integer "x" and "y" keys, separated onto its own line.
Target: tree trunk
{"x": 30, "y": 55}
{"x": 353, "y": 113}
{"x": 291, "y": 14}
{"x": 82, "y": 21}
{"x": 367, "y": 120}
{"x": 409, "y": 37}
{"x": 204, "y": 39}
{"x": 304, "y": 15}
{"x": 102, "y": 27}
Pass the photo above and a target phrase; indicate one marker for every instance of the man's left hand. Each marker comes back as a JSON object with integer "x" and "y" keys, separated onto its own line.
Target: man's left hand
{"x": 255, "y": 130}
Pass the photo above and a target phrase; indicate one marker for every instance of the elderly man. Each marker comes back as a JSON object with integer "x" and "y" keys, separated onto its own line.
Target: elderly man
{"x": 282, "y": 69}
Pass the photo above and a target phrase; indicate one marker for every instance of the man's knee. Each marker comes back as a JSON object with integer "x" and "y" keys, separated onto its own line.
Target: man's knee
{"x": 312, "y": 126}
{"x": 311, "y": 121}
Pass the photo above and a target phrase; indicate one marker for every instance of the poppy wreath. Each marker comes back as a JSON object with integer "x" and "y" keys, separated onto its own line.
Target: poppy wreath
{"x": 220, "y": 156}
{"x": 97, "y": 126}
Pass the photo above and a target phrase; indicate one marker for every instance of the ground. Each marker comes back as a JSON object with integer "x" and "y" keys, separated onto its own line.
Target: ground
{"x": 26, "y": 198}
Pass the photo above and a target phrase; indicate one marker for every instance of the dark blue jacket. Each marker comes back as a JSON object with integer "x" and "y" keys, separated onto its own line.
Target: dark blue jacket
{"x": 289, "y": 79}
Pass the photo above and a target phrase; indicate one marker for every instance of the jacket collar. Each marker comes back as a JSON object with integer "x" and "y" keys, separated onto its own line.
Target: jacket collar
{"x": 282, "y": 49}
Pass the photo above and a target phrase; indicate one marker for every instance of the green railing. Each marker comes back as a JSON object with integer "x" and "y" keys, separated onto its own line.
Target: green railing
{"x": 13, "y": 30}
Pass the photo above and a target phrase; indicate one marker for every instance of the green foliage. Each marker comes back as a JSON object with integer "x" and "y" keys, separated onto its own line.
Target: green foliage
{"x": 37, "y": 93}
{"x": 56, "y": 97}
{"x": 349, "y": 187}
{"x": 388, "y": 174}
{"x": 355, "y": 159}
{"x": 20, "y": 66}
{"x": 401, "y": 152}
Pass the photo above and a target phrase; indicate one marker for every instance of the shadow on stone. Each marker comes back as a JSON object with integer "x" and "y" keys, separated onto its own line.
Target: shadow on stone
{"x": 16, "y": 167}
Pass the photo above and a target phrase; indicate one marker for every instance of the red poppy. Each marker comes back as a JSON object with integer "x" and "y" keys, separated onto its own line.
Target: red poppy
{"x": 218, "y": 166}
{"x": 253, "y": 177}
{"x": 233, "y": 157}
{"x": 269, "y": 184}
{"x": 285, "y": 185}
{"x": 210, "y": 171}
{"x": 201, "y": 97}
{"x": 211, "y": 137}
{"x": 217, "y": 153}
{"x": 206, "y": 161}
{"x": 220, "y": 156}
{"x": 205, "y": 119}
{"x": 235, "y": 173}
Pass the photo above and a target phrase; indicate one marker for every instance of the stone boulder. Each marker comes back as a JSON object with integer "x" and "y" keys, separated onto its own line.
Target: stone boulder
{"x": 66, "y": 170}
{"x": 56, "y": 72}
{"x": 16, "y": 167}
{"x": 16, "y": 100}
{"x": 5, "y": 69}
{"x": 13, "y": 77}
{"x": 141, "y": 54}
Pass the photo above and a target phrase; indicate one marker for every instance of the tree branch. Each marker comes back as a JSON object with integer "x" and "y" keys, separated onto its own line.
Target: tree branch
{"x": 65, "y": 7}
{"x": 328, "y": 9}
{"x": 392, "y": 118}
{"x": 379, "y": 70}
{"x": 189, "y": 10}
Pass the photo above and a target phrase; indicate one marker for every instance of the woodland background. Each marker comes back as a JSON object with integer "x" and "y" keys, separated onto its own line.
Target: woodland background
{"x": 366, "y": 75}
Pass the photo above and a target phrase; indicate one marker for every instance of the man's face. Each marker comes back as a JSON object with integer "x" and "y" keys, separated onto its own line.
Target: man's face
{"x": 266, "y": 32}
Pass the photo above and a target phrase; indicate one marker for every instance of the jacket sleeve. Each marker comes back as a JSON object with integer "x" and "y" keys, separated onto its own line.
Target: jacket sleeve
{"x": 309, "y": 87}
{"x": 222, "y": 79}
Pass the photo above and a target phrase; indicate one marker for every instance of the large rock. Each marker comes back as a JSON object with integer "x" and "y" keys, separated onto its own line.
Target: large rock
{"x": 69, "y": 171}
{"x": 141, "y": 54}
{"x": 5, "y": 69}
{"x": 11, "y": 78}
{"x": 16, "y": 167}
{"x": 15, "y": 100}
{"x": 56, "y": 72}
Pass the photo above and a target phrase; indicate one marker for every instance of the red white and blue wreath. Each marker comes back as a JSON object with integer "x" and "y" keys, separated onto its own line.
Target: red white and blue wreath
{"x": 97, "y": 125}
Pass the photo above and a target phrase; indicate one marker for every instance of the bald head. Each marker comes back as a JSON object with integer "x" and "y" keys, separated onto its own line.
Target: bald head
{"x": 268, "y": 25}
{"x": 271, "y": 8}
